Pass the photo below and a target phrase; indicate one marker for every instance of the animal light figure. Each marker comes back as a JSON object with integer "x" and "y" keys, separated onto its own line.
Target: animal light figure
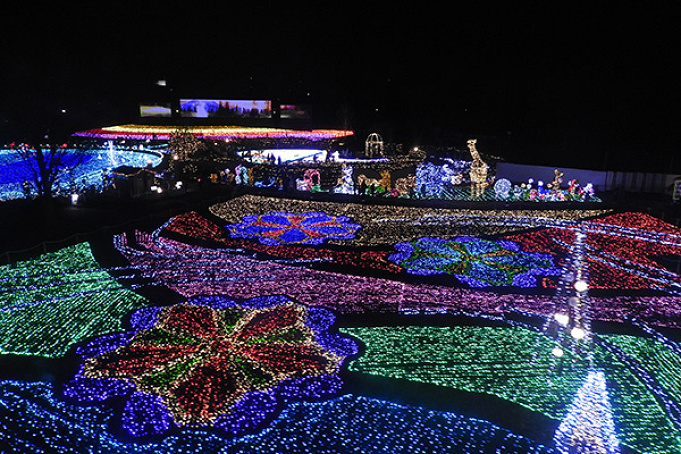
{"x": 557, "y": 180}
{"x": 478, "y": 171}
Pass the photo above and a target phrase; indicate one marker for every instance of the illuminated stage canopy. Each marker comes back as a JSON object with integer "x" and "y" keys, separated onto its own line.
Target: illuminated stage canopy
{"x": 144, "y": 132}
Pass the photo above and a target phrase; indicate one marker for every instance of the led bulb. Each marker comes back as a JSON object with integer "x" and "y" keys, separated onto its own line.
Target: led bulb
{"x": 562, "y": 319}
{"x": 578, "y": 333}
{"x": 581, "y": 285}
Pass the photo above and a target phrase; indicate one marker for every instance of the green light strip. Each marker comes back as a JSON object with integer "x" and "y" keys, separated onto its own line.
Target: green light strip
{"x": 57, "y": 299}
{"x": 663, "y": 363}
{"x": 498, "y": 361}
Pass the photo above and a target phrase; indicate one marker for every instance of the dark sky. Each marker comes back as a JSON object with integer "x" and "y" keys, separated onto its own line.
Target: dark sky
{"x": 577, "y": 86}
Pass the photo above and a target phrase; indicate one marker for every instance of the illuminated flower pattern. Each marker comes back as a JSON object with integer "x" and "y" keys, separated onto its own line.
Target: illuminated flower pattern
{"x": 278, "y": 228}
{"x": 622, "y": 251}
{"x": 474, "y": 261}
{"x": 212, "y": 362}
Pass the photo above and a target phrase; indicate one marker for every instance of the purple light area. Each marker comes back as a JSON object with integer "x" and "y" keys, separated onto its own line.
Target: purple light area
{"x": 310, "y": 387}
{"x": 183, "y": 269}
{"x": 104, "y": 344}
{"x": 145, "y": 414}
{"x": 249, "y": 412}
{"x": 86, "y": 389}
{"x": 145, "y": 318}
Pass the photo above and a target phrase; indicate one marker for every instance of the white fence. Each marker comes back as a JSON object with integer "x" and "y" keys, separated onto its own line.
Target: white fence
{"x": 657, "y": 183}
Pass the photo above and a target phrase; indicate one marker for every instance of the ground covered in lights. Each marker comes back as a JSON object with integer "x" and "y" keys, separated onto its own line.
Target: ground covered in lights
{"x": 271, "y": 325}
{"x": 88, "y": 172}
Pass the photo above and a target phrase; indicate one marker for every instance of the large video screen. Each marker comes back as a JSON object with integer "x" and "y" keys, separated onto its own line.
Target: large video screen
{"x": 294, "y": 111}
{"x": 221, "y": 108}
{"x": 155, "y": 110}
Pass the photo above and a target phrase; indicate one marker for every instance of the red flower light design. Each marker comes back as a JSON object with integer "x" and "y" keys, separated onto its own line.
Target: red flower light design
{"x": 200, "y": 360}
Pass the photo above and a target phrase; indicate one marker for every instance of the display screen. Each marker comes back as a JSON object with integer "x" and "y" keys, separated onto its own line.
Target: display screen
{"x": 294, "y": 111}
{"x": 155, "y": 110}
{"x": 206, "y": 108}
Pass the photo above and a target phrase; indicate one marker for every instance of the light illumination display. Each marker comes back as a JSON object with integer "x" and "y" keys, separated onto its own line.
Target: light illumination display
{"x": 212, "y": 362}
{"x": 195, "y": 226}
{"x": 588, "y": 425}
{"x": 390, "y": 224}
{"x": 283, "y": 155}
{"x": 146, "y": 132}
{"x": 57, "y": 299}
{"x": 619, "y": 249}
{"x": 502, "y": 362}
{"x": 452, "y": 180}
{"x": 475, "y": 261}
{"x": 294, "y": 228}
{"x": 200, "y": 376}
{"x": 300, "y": 427}
{"x": 570, "y": 325}
{"x": 432, "y": 180}
{"x": 91, "y": 163}
{"x": 183, "y": 268}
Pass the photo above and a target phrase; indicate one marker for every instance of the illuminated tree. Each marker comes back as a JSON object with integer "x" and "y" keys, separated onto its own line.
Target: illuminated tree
{"x": 588, "y": 426}
{"x": 45, "y": 166}
{"x": 184, "y": 147}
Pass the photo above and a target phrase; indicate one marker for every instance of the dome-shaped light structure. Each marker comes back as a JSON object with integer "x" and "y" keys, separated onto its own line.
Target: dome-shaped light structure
{"x": 374, "y": 146}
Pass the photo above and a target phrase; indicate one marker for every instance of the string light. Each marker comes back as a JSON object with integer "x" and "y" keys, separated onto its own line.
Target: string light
{"x": 578, "y": 333}
{"x": 294, "y": 228}
{"x": 588, "y": 425}
{"x": 474, "y": 261}
{"x": 213, "y": 362}
{"x": 390, "y": 224}
{"x": 41, "y": 422}
{"x": 561, "y": 318}
{"x": 498, "y": 361}
{"x": 88, "y": 172}
{"x": 57, "y": 299}
{"x": 619, "y": 249}
{"x": 146, "y": 132}
{"x": 184, "y": 268}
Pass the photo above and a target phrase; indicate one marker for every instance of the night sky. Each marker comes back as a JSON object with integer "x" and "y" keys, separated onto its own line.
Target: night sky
{"x": 581, "y": 86}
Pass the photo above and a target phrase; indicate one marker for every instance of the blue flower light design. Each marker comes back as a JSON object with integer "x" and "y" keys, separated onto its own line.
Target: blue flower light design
{"x": 474, "y": 261}
{"x": 279, "y": 228}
